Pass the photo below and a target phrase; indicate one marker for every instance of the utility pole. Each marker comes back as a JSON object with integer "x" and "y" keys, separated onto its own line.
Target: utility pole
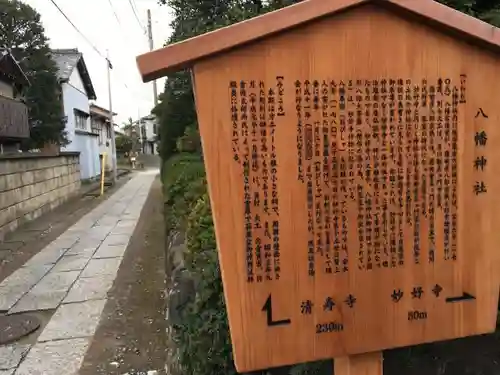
{"x": 150, "y": 37}
{"x": 134, "y": 134}
{"x": 111, "y": 122}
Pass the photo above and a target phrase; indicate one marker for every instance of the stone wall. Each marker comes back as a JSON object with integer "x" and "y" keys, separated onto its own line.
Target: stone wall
{"x": 179, "y": 289}
{"x": 32, "y": 184}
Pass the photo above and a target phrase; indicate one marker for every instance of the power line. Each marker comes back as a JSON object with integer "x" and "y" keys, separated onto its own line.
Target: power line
{"x": 134, "y": 5}
{"x": 130, "y": 89}
{"x": 118, "y": 75}
{"x": 123, "y": 37}
{"x": 136, "y": 16}
{"x": 77, "y": 30}
{"x": 83, "y": 35}
{"x": 114, "y": 12}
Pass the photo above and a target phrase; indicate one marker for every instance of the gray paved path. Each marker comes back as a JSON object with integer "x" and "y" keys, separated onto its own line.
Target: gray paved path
{"x": 72, "y": 276}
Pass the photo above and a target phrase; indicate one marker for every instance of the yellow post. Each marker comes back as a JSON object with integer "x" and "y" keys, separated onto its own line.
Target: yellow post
{"x": 103, "y": 170}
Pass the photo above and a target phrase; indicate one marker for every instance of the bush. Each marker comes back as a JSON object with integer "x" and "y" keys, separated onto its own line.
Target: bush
{"x": 123, "y": 143}
{"x": 178, "y": 164}
{"x": 203, "y": 335}
{"x": 201, "y": 331}
{"x": 184, "y": 182}
{"x": 190, "y": 141}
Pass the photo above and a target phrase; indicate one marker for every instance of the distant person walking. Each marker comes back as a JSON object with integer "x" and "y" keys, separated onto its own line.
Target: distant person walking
{"x": 133, "y": 158}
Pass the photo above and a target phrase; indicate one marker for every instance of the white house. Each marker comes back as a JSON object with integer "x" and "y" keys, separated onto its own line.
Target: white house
{"x": 77, "y": 90}
{"x": 99, "y": 123}
{"x": 149, "y": 131}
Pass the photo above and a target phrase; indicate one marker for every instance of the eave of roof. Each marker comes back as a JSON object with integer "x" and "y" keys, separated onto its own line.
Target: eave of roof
{"x": 87, "y": 81}
{"x": 181, "y": 55}
{"x": 66, "y": 68}
{"x": 66, "y": 60}
{"x": 98, "y": 110}
{"x": 149, "y": 117}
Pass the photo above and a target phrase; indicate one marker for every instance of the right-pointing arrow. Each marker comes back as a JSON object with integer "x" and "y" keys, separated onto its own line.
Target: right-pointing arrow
{"x": 464, "y": 297}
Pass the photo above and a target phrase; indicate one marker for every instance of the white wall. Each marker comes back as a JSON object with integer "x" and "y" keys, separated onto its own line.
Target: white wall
{"x": 76, "y": 81}
{"x": 74, "y": 97}
{"x": 89, "y": 156}
{"x": 150, "y": 129}
{"x": 149, "y": 147}
{"x": 107, "y": 149}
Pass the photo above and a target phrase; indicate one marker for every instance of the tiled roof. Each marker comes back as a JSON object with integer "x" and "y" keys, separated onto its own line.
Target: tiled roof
{"x": 69, "y": 59}
{"x": 66, "y": 60}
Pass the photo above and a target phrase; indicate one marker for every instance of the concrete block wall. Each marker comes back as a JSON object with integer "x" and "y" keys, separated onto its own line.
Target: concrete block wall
{"x": 31, "y": 185}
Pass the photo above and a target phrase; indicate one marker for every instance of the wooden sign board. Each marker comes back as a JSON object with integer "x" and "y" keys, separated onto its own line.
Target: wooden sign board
{"x": 353, "y": 170}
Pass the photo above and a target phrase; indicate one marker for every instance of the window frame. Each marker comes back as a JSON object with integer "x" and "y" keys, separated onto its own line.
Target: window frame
{"x": 80, "y": 118}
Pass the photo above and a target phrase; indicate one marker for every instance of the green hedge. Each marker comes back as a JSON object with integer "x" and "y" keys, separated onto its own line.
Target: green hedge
{"x": 184, "y": 182}
{"x": 202, "y": 334}
{"x": 204, "y": 331}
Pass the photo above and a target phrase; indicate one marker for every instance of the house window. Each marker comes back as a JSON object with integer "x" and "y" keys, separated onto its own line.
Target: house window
{"x": 155, "y": 128}
{"x": 81, "y": 119}
{"x": 95, "y": 125}
{"x": 108, "y": 131}
{"x": 97, "y": 128}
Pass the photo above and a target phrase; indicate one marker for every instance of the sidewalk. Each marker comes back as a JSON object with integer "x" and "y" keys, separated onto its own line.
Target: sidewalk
{"x": 66, "y": 284}
{"x": 19, "y": 246}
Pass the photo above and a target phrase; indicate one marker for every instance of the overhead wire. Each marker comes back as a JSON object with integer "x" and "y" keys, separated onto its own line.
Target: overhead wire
{"x": 137, "y": 17}
{"x": 114, "y": 12}
{"x": 124, "y": 30}
{"x": 77, "y": 29}
{"x": 119, "y": 76}
{"x": 125, "y": 41}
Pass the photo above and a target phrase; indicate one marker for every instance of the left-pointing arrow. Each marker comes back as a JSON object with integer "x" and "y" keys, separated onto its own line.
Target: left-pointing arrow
{"x": 268, "y": 308}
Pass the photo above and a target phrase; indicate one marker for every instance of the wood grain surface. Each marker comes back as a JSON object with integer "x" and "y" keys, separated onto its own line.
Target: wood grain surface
{"x": 361, "y": 364}
{"x": 368, "y": 220}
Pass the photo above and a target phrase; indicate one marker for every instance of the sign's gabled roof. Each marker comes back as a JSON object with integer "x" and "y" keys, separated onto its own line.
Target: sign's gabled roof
{"x": 183, "y": 54}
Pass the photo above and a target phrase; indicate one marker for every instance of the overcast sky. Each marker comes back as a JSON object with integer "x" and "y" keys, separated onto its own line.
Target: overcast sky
{"x": 121, "y": 35}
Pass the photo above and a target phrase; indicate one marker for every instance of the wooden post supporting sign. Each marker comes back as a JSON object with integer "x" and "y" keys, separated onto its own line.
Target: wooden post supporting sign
{"x": 361, "y": 364}
{"x": 352, "y": 165}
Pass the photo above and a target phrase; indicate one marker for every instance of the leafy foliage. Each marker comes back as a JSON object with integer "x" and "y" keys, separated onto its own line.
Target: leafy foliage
{"x": 184, "y": 182}
{"x": 204, "y": 332}
{"x": 175, "y": 112}
{"x": 22, "y": 32}
{"x": 176, "y": 109}
{"x": 486, "y": 10}
{"x": 123, "y": 143}
{"x": 190, "y": 140}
